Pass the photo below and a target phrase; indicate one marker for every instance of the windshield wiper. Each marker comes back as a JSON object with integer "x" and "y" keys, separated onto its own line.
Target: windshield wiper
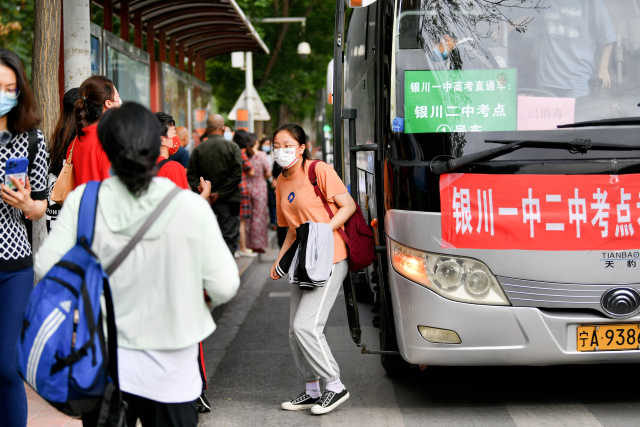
{"x": 440, "y": 167}
{"x": 622, "y": 121}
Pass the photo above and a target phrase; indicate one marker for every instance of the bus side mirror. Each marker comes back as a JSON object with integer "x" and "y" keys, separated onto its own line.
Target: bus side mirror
{"x": 330, "y": 83}
{"x": 359, "y": 3}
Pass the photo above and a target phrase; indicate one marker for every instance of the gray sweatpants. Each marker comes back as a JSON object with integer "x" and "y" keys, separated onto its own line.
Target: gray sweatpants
{"x": 308, "y": 315}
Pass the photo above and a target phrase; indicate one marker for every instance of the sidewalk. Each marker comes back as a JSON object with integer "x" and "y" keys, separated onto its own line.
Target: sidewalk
{"x": 41, "y": 414}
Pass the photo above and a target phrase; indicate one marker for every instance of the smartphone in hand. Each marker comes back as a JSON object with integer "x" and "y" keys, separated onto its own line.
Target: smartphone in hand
{"x": 17, "y": 168}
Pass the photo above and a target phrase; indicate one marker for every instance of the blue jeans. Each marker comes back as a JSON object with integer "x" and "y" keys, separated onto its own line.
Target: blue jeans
{"x": 15, "y": 287}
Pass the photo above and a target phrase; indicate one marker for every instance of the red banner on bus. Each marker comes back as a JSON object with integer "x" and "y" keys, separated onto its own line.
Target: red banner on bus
{"x": 540, "y": 212}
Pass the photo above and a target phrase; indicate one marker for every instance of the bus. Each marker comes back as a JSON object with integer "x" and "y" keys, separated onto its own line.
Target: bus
{"x": 494, "y": 147}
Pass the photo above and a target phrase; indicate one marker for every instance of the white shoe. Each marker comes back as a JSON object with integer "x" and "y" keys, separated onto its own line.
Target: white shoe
{"x": 247, "y": 253}
{"x": 301, "y": 402}
{"x": 329, "y": 401}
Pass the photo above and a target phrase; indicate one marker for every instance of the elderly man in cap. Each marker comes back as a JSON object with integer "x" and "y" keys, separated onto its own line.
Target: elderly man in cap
{"x": 219, "y": 161}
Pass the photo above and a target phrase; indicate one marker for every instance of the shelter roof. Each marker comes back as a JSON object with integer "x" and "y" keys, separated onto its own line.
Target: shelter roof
{"x": 208, "y": 27}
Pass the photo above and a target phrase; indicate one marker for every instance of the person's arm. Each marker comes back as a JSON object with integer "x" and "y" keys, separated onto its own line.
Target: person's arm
{"x": 230, "y": 186}
{"x": 267, "y": 167}
{"x": 62, "y": 237}
{"x": 205, "y": 189}
{"x": 220, "y": 271}
{"x": 193, "y": 174}
{"x": 603, "y": 69}
{"x": 31, "y": 198}
{"x": 346, "y": 208}
{"x": 20, "y": 198}
{"x": 335, "y": 191}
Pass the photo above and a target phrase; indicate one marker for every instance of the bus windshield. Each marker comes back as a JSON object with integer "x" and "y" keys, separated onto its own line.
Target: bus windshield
{"x": 513, "y": 65}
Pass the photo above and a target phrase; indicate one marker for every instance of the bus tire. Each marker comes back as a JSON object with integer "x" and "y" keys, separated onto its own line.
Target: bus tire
{"x": 394, "y": 365}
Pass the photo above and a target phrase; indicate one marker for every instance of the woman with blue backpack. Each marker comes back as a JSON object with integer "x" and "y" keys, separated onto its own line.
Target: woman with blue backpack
{"x": 23, "y": 179}
{"x": 157, "y": 290}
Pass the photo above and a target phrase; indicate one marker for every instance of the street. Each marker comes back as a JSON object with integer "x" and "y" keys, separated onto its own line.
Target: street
{"x": 251, "y": 370}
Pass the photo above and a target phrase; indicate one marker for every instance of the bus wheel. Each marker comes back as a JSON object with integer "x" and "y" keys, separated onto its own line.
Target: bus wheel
{"x": 394, "y": 365}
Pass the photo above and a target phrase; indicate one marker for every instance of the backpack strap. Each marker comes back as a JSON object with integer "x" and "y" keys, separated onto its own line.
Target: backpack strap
{"x": 32, "y": 148}
{"x": 140, "y": 233}
{"x": 87, "y": 213}
{"x": 314, "y": 181}
{"x": 162, "y": 163}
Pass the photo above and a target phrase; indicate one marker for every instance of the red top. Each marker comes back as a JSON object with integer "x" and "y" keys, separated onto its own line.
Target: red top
{"x": 175, "y": 172}
{"x": 90, "y": 162}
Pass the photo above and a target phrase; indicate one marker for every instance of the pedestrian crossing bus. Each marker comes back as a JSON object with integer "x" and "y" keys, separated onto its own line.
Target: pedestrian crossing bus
{"x": 494, "y": 146}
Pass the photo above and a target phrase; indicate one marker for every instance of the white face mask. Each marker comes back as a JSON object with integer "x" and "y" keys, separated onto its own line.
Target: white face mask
{"x": 285, "y": 157}
{"x": 228, "y": 135}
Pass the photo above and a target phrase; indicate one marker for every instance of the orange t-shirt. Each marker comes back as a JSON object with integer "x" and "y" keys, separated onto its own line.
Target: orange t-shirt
{"x": 297, "y": 202}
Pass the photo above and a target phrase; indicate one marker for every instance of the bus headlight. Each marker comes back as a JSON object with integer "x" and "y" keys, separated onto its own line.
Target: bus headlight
{"x": 453, "y": 277}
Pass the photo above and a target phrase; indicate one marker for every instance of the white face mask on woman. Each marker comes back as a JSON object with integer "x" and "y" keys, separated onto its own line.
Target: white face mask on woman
{"x": 285, "y": 157}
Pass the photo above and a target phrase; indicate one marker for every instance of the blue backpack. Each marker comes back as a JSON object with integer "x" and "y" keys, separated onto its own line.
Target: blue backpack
{"x": 62, "y": 351}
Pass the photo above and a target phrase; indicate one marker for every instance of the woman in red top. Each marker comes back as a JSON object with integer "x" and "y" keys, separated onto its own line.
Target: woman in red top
{"x": 90, "y": 163}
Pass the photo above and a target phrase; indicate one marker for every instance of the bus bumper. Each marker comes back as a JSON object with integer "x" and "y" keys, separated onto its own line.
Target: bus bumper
{"x": 491, "y": 335}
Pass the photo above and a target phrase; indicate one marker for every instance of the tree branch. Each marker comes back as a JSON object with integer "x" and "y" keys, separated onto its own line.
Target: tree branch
{"x": 278, "y": 47}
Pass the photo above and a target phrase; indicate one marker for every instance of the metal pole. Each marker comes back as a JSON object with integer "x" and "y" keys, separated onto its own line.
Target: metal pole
{"x": 338, "y": 69}
{"x": 77, "y": 42}
{"x": 249, "y": 87}
{"x": 283, "y": 20}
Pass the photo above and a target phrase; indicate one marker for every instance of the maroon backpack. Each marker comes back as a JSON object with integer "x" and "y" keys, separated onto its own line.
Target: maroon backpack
{"x": 356, "y": 234}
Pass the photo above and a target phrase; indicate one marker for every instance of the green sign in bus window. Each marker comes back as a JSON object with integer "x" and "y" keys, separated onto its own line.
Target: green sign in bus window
{"x": 460, "y": 100}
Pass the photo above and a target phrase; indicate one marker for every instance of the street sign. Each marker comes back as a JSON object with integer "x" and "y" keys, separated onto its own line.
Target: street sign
{"x": 460, "y": 101}
{"x": 258, "y": 110}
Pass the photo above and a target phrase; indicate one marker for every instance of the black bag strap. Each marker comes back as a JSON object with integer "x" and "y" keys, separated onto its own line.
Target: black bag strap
{"x": 32, "y": 149}
{"x": 112, "y": 399}
{"x": 162, "y": 163}
{"x": 140, "y": 233}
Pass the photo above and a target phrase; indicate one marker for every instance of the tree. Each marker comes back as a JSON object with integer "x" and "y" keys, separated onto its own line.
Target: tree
{"x": 287, "y": 84}
{"x": 46, "y": 56}
{"x": 16, "y": 29}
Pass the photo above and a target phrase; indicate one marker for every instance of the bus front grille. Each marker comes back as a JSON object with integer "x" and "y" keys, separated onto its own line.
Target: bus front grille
{"x": 529, "y": 293}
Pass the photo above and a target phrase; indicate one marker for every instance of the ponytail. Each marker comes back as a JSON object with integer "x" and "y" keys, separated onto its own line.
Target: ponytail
{"x": 94, "y": 92}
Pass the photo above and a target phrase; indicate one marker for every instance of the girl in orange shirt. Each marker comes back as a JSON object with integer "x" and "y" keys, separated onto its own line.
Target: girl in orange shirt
{"x": 297, "y": 203}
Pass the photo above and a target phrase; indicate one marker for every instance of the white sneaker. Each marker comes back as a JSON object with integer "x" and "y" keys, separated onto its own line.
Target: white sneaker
{"x": 247, "y": 253}
{"x": 329, "y": 401}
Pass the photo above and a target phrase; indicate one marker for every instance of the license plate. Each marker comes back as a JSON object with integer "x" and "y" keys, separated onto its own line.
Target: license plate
{"x": 608, "y": 337}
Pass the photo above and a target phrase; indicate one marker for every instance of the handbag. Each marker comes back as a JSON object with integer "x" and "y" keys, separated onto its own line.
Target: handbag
{"x": 65, "y": 182}
{"x": 357, "y": 234}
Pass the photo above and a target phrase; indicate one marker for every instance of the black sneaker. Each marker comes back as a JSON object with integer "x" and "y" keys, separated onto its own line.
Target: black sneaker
{"x": 329, "y": 401}
{"x": 202, "y": 404}
{"x": 303, "y": 401}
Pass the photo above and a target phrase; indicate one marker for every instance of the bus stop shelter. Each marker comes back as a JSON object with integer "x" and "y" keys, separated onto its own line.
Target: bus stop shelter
{"x": 161, "y": 47}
